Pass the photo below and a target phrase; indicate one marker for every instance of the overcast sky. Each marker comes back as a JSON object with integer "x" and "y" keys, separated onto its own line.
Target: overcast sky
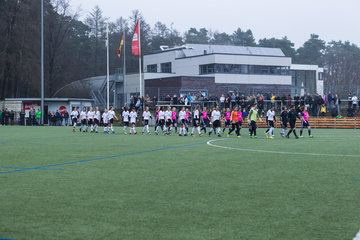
{"x": 296, "y": 19}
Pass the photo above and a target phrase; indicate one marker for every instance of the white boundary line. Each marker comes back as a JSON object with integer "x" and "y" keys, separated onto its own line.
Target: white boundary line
{"x": 277, "y": 152}
{"x": 357, "y": 237}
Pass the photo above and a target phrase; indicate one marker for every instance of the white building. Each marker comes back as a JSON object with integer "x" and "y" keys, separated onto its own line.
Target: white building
{"x": 218, "y": 69}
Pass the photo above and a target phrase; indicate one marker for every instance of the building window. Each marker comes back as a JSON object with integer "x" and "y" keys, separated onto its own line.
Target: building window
{"x": 320, "y": 76}
{"x": 244, "y": 69}
{"x": 152, "y": 68}
{"x": 166, "y": 67}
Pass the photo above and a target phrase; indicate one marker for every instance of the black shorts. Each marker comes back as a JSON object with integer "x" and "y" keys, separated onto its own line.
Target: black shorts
{"x": 146, "y": 122}
{"x": 161, "y": 122}
{"x": 205, "y": 121}
{"x": 83, "y": 121}
{"x": 284, "y": 124}
{"x": 227, "y": 122}
{"x": 183, "y": 121}
{"x": 168, "y": 122}
{"x": 271, "y": 123}
{"x": 174, "y": 121}
{"x": 96, "y": 121}
{"x": 106, "y": 124}
{"x": 305, "y": 124}
{"x": 111, "y": 121}
{"x": 195, "y": 122}
{"x": 74, "y": 120}
{"x": 126, "y": 124}
{"x": 133, "y": 123}
{"x": 216, "y": 123}
{"x": 292, "y": 125}
{"x": 239, "y": 123}
{"x": 90, "y": 122}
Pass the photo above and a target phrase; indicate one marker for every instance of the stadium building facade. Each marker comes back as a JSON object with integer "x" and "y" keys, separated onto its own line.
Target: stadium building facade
{"x": 217, "y": 69}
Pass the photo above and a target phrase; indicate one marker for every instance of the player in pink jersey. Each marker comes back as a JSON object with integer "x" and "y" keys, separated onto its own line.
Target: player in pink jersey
{"x": 174, "y": 119}
{"x": 157, "y": 117}
{"x": 239, "y": 123}
{"x": 227, "y": 121}
{"x": 204, "y": 119}
{"x": 187, "y": 119}
{"x": 305, "y": 121}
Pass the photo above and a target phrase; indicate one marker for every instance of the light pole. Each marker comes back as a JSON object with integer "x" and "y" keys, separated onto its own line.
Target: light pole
{"x": 42, "y": 62}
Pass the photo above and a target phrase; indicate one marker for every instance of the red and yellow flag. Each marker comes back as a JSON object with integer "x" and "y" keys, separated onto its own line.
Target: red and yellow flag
{"x": 121, "y": 44}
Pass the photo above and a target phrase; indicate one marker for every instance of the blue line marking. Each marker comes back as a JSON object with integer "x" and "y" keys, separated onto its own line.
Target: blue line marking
{"x": 357, "y": 180}
{"x": 102, "y": 158}
{"x": 119, "y": 145}
{"x": 38, "y": 169}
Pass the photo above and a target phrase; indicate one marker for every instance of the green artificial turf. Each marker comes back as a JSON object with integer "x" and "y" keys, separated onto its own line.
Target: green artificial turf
{"x": 171, "y": 187}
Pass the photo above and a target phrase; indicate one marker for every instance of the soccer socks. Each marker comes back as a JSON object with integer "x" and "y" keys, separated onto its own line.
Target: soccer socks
{"x": 218, "y": 130}
{"x": 199, "y": 131}
{"x": 193, "y": 130}
{"x": 176, "y": 129}
{"x": 309, "y": 132}
{"x": 271, "y": 131}
{"x": 294, "y": 131}
{"x": 105, "y": 129}
{"x": 112, "y": 129}
{"x": 204, "y": 128}
{"x": 147, "y": 128}
{"x": 170, "y": 129}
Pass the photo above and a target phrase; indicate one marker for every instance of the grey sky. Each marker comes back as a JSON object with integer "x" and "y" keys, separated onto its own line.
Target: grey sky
{"x": 296, "y": 19}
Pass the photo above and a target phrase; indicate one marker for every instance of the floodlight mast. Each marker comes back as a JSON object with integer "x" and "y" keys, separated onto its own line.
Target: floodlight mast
{"x": 42, "y": 62}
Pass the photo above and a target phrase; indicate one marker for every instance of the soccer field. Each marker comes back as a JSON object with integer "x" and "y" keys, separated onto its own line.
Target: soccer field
{"x": 56, "y": 184}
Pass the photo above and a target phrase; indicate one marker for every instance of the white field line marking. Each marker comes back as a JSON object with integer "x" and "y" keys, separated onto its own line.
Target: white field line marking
{"x": 357, "y": 237}
{"x": 278, "y": 152}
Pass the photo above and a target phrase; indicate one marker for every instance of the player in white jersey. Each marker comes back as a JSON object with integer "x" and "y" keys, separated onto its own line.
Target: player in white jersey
{"x": 105, "y": 120}
{"x": 96, "y": 119}
{"x": 270, "y": 117}
{"x": 74, "y": 117}
{"x": 146, "y": 117}
{"x": 161, "y": 121}
{"x": 90, "y": 116}
{"x": 125, "y": 118}
{"x": 215, "y": 120}
{"x": 133, "y": 116}
{"x": 196, "y": 121}
{"x": 111, "y": 116}
{"x": 168, "y": 120}
{"x": 83, "y": 118}
{"x": 182, "y": 117}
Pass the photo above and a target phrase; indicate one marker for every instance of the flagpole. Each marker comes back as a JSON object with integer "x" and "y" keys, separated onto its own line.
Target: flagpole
{"x": 107, "y": 67}
{"x": 42, "y": 63}
{"x": 124, "y": 69}
{"x": 141, "y": 93}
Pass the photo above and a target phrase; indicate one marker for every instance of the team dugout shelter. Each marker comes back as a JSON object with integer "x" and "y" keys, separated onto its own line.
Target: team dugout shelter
{"x": 50, "y": 105}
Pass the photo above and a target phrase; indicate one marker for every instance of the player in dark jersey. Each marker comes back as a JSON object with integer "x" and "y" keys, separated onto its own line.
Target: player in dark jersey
{"x": 292, "y": 115}
{"x": 284, "y": 119}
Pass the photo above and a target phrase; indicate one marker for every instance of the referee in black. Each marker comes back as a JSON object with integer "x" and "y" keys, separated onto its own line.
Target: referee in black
{"x": 293, "y": 114}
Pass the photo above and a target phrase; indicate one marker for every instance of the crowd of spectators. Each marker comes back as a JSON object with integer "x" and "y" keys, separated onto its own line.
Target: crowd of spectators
{"x": 318, "y": 105}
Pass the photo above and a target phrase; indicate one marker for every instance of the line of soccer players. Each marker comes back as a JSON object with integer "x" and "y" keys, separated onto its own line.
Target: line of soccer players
{"x": 169, "y": 119}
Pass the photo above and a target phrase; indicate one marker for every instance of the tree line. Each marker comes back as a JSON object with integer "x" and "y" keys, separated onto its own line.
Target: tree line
{"x": 75, "y": 49}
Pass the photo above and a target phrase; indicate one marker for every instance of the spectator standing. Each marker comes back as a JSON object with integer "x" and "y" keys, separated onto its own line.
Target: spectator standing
{"x": 330, "y": 101}
{"x": 289, "y": 100}
{"x": 337, "y": 103}
{"x": 1, "y": 117}
{"x": 38, "y": 117}
{"x": 355, "y": 102}
{"x": 222, "y": 101}
{"x": 232, "y": 98}
{"x": 22, "y": 118}
{"x": 12, "y": 117}
{"x": 7, "y": 116}
{"x": 349, "y": 98}
{"x": 66, "y": 118}
{"x": 57, "y": 118}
